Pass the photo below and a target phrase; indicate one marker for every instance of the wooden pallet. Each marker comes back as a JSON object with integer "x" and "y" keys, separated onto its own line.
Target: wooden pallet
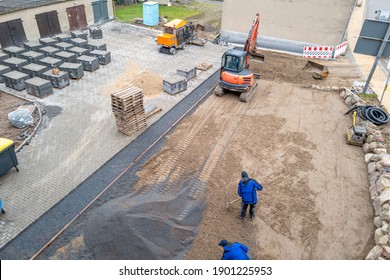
{"x": 31, "y": 108}
{"x": 204, "y": 66}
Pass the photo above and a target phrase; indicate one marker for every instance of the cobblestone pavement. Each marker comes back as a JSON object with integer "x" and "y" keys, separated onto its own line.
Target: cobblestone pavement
{"x": 79, "y": 133}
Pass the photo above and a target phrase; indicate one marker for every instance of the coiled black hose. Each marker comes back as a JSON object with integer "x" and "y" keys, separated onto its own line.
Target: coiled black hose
{"x": 371, "y": 113}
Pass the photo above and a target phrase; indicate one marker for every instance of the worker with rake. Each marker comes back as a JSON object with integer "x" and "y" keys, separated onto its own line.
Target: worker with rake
{"x": 247, "y": 190}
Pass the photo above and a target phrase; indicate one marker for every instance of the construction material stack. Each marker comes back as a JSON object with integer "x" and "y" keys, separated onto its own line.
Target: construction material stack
{"x": 127, "y": 105}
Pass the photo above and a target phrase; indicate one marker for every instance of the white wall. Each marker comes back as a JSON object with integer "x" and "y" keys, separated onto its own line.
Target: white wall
{"x": 313, "y": 21}
{"x": 30, "y": 24}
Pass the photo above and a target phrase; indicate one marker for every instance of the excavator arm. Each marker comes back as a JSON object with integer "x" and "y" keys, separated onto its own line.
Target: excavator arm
{"x": 251, "y": 42}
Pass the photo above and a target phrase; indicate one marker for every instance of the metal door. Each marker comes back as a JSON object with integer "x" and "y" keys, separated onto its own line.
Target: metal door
{"x": 100, "y": 11}
{"x": 48, "y": 24}
{"x": 12, "y": 33}
{"x": 76, "y": 17}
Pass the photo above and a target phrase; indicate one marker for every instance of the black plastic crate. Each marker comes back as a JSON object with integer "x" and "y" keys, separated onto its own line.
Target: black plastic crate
{"x": 35, "y": 70}
{"x": 58, "y": 80}
{"x": 3, "y": 69}
{"x": 3, "y": 56}
{"x": 32, "y": 46}
{"x": 66, "y": 56}
{"x": 50, "y": 62}
{"x": 79, "y": 51}
{"x": 15, "y": 63}
{"x": 97, "y": 46}
{"x": 32, "y": 56}
{"x": 90, "y": 63}
{"x": 78, "y": 42}
{"x": 48, "y": 41}
{"x": 75, "y": 70}
{"x": 104, "y": 57}
{"x": 63, "y": 37}
{"x": 79, "y": 34}
{"x": 15, "y": 80}
{"x": 38, "y": 87}
{"x": 13, "y": 51}
{"x": 95, "y": 32}
{"x": 63, "y": 46}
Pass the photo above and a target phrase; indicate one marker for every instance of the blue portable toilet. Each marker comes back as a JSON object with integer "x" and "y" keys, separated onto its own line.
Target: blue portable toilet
{"x": 150, "y": 13}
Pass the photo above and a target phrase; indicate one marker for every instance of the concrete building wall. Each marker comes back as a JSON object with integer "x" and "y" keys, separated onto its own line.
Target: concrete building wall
{"x": 30, "y": 24}
{"x": 311, "y": 21}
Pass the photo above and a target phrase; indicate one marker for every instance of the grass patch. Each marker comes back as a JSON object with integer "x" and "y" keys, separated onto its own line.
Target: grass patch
{"x": 369, "y": 98}
{"x": 128, "y": 13}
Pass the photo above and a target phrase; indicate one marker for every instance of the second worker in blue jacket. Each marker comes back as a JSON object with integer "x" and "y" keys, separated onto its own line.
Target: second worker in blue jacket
{"x": 247, "y": 188}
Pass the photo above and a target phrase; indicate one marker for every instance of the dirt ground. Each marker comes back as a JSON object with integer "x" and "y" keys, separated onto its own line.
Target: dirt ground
{"x": 9, "y": 103}
{"x": 291, "y": 138}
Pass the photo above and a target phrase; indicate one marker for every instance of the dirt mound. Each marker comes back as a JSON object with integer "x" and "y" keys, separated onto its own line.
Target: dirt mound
{"x": 142, "y": 226}
{"x": 150, "y": 83}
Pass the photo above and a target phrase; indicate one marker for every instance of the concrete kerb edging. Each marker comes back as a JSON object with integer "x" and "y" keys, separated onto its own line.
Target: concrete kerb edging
{"x": 38, "y": 108}
{"x": 378, "y": 166}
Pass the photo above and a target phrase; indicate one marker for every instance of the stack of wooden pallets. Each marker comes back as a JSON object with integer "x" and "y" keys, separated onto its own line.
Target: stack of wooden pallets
{"x": 127, "y": 105}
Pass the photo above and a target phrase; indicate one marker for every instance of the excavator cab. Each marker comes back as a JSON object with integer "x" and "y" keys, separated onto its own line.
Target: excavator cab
{"x": 233, "y": 60}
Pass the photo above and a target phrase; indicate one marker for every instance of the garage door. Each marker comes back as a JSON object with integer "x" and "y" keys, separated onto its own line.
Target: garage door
{"x": 12, "y": 33}
{"x": 48, "y": 24}
{"x": 100, "y": 11}
{"x": 76, "y": 17}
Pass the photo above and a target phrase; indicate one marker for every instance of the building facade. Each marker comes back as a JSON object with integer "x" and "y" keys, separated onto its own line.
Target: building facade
{"x": 22, "y": 20}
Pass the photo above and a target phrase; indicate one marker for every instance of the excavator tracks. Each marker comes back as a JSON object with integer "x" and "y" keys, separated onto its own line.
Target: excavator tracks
{"x": 248, "y": 95}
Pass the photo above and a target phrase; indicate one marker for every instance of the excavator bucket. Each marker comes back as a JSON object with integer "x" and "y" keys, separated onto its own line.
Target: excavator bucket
{"x": 256, "y": 57}
{"x": 318, "y": 71}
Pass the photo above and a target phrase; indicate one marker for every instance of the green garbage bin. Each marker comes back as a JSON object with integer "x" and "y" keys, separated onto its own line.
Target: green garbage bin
{"x": 7, "y": 156}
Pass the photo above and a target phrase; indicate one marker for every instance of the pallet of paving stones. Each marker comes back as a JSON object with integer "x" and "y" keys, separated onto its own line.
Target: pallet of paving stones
{"x": 63, "y": 46}
{"x": 97, "y": 46}
{"x": 79, "y": 34}
{"x": 34, "y": 70}
{"x": 48, "y": 41}
{"x": 59, "y": 79}
{"x": 50, "y": 62}
{"x": 15, "y": 63}
{"x": 4, "y": 69}
{"x": 49, "y": 50}
{"x": 32, "y": 56}
{"x": 66, "y": 56}
{"x": 78, "y": 42}
{"x": 13, "y": 51}
{"x": 95, "y": 32}
{"x": 3, "y": 56}
{"x": 75, "y": 70}
{"x": 79, "y": 51}
{"x": 104, "y": 57}
{"x": 32, "y": 46}
{"x": 63, "y": 37}
{"x": 38, "y": 87}
{"x": 90, "y": 63}
{"x": 15, "y": 80}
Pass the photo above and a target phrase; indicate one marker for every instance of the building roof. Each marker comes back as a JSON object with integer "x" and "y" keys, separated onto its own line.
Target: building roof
{"x": 8, "y": 6}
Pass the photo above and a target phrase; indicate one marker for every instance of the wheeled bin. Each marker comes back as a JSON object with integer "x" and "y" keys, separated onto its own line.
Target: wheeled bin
{"x": 7, "y": 156}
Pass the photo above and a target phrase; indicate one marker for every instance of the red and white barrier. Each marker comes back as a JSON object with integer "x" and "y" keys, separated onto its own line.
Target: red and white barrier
{"x": 340, "y": 49}
{"x": 322, "y": 52}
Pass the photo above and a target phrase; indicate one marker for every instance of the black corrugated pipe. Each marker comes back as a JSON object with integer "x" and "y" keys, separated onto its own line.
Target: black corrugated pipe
{"x": 371, "y": 113}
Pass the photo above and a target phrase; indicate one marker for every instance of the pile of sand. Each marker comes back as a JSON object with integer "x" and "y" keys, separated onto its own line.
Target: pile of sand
{"x": 150, "y": 83}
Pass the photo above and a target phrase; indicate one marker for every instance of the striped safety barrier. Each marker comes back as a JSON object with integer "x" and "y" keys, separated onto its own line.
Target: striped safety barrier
{"x": 322, "y": 52}
{"x": 340, "y": 49}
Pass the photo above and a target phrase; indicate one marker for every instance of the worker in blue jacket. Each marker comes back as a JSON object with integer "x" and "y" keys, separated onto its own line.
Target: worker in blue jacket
{"x": 234, "y": 251}
{"x": 247, "y": 188}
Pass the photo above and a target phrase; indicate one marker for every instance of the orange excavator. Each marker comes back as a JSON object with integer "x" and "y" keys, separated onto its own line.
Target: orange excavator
{"x": 235, "y": 74}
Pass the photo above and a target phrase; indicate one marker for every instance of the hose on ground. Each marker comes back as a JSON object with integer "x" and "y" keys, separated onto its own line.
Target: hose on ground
{"x": 371, "y": 113}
